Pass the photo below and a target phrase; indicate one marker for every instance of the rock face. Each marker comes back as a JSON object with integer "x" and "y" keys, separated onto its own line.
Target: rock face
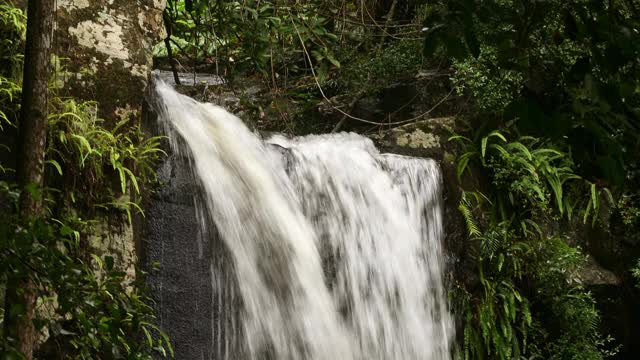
{"x": 182, "y": 288}
{"x": 195, "y": 313}
{"x": 104, "y": 49}
{"x": 108, "y": 45}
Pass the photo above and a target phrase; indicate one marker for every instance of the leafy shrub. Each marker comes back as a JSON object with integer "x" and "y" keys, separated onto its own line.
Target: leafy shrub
{"x": 13, "y": 26}
{"x": 635, "y": 271}
{"x": 559, "y": 69}
{"x": 529, "y": 302}
{"x": 265, "y": 36}
{"x": 492, "y": 88}
{"x": 533, "y": 175}
{"x": 400, "y": 59}
{"x": 88, "y": 308}
{"x": 86, "y": 157}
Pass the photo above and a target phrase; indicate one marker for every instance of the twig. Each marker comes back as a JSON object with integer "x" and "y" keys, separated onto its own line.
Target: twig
{"x": 385, "y": 30}
{"x": 351, "y": 105}
{"x": 315, "y": 77}
{"x": 167, "y": 43}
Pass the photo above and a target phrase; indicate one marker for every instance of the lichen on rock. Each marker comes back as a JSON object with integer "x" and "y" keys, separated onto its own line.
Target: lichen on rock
{"x": 114, "y": 40}
{"x": 72, "y": 4}
{"x": 105, "y": 35}
{"x": 418, "y": 139}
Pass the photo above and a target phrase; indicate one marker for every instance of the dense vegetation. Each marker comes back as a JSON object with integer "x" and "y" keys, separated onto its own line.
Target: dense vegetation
{"x": 87, "y": 306}
{"x": 547, "y": 100}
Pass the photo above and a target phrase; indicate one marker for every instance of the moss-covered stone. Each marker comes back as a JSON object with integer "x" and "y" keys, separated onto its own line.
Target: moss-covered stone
{"x": 107, "y": 50}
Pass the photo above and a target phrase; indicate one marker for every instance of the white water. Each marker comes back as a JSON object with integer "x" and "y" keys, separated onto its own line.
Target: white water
{"x": 337, "y": 248}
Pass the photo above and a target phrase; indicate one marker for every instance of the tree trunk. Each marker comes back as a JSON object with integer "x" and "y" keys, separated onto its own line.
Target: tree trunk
{"x": 167, "y": 42}
{"x": 33, "y": 136}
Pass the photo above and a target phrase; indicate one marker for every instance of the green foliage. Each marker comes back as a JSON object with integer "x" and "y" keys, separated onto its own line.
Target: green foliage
{"x": 497, "y": 319}
{"x": 567, "y": 73}
{"x": 492, "y": 88}
{"x": 498, "y": 316}
{"x": 558, "y": 68}
{"x": 529, "y": 302}
{"x": 13, "y": 25}
{"x": 532, "y": 176}
{"x": 400, "y": 59}
{"x": 13, "y": 28}
{"x": 84, "y": 157}
{"x": 9, "y": 91}
{"x": 571, "y": 329}
{"x": 628, "y": 204}
{"x": 265, "y": 36}
{"x": 89, "y": 308}
{"x": 635, "y": 272}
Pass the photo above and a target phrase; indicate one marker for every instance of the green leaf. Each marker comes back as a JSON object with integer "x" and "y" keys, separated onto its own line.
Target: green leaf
{"x": 463, "y": 161}
{"x": 522, "y": 148}
{"x": 333, "y": 60}
{"x": 459, "y": 137}
{"x": 485, "y": 139}
{"x": 98, "y": 261}
{"x": 56, "y": 165}
{"x": 123, "y": 180}
{"x": 133, "y": 179}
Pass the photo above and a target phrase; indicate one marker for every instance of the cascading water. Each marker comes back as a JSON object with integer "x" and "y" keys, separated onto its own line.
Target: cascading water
{"x": 336, "y": 248}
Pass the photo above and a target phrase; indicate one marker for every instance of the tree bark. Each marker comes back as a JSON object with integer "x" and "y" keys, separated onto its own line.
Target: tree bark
{"x": 33, "y": 136}
{"x": 167, "y": 42}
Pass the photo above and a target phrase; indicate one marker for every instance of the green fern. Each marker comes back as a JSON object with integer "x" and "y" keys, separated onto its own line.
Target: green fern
{"x": 79, "y": 141}
{"x": 531, "y": 181}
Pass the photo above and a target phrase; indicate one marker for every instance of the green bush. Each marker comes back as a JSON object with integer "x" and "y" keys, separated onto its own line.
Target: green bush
{"x": 529, "y": 302}
{"x": 85, "y": 157}
{"x": 635, "y": 271}
{"x": 492, "y": 88}
{"x": 88, "y": 307}
{"x": 267, "y": 37}
{"x": 564, "y": 70}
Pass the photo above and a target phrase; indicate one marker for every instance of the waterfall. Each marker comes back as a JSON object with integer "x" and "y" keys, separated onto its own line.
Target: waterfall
{"x": 336, "y": 248}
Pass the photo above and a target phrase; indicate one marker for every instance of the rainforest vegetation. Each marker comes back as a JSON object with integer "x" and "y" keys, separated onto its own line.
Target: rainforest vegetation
{"x": 546, "y": 97}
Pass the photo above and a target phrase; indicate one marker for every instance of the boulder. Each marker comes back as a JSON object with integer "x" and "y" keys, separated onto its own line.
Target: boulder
{"x": 105, "y": 51}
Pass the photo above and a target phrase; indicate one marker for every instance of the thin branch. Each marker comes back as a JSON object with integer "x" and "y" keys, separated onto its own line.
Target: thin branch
{"x": 347, "y": 115}
{"x": 353, "y": 102}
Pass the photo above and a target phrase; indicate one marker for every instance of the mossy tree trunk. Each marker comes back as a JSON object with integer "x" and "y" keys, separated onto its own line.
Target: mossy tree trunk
{"x": 33, "y": 136}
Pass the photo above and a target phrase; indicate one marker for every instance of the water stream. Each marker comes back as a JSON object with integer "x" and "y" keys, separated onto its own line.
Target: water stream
{"x": 336, "y": 248}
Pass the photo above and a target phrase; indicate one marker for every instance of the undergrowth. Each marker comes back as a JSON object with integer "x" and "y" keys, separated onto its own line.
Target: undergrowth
{"x": 529, "y": 302}
{"x": 87, "y": 306}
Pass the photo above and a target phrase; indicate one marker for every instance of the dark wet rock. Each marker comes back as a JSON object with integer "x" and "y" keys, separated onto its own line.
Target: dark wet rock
{"x": 592, "y": 274}
{"x": 189, "y": 79}
{"x": 196, "y": 314}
